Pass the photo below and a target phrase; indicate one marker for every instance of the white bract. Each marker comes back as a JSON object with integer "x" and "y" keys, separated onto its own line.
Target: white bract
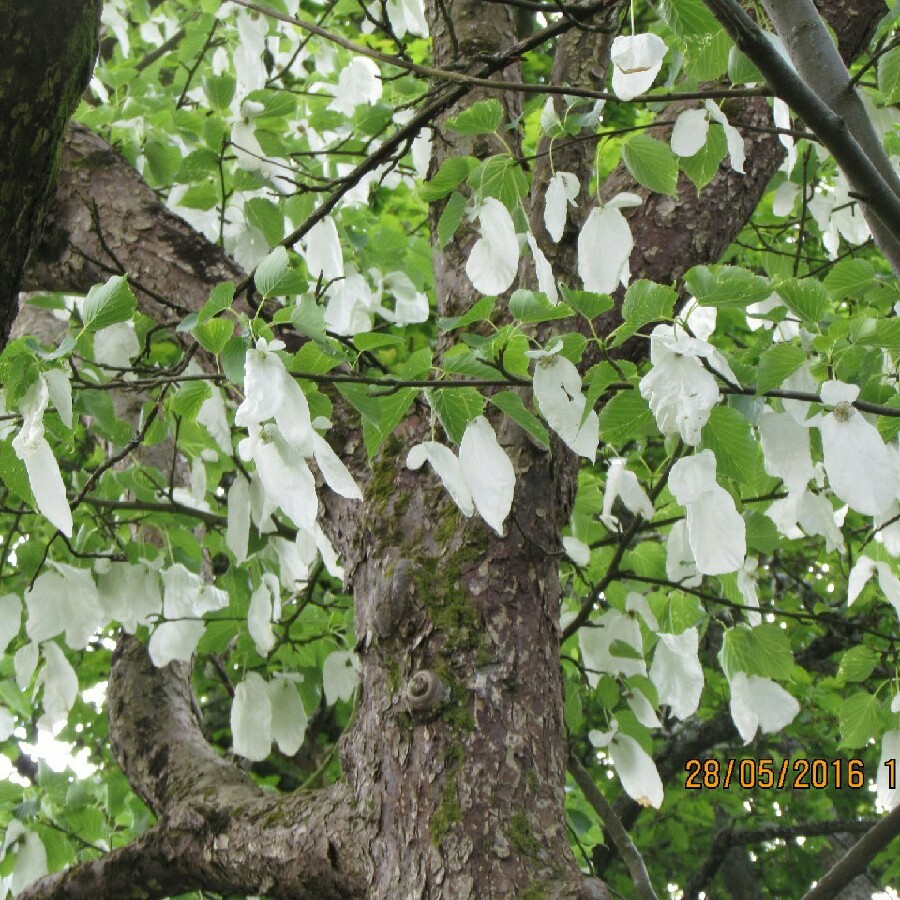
{"x": 481, "y": 478}
{"x": 716, "y": 530}
{"x": 595, "y": 643}
{"x": 863, "y": 569}
{"x": 10, "y": 619}
{"x": 116, "y": 345}
{"x": 358, "y": 83}
{"x": 407, "y": 16}
{"x": 265, "y": 608}
{"x": 324, "y": 256}
{"x": 237, "y": 534}
{"x": 859, "y": 465}
{"x": 605, "y": 244}
{"x": 60, "y": 684}
{"x": 251, "y": 719}
{"x": 681, "y": 567}
{"x": 692, "y": 126}
{"x": 760, "y": 703}
{"x": 557, "y": 390}
{"x": 130, "y": 595}
{"x": 677, "y": 673}
{"x": 543, "y": 271}
{"x": 339, "y": 678}
{"x": 32, "y": 448}
{"x": 636, "y": 61}
{"x": 64, "y": 601}
{"x": 494, "y": 260}
{"x": 562, "y": 189}
{"x": 680, "y": 391}
{"x": 622, "y": 484}
{"x": 634, "y": 766}
{"x": 786, "y": 450}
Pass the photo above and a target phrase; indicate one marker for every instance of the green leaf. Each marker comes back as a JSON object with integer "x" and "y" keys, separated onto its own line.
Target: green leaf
{"x": 740, "y": 69}
{"x": 450, "y": 218}
{"x": 688, "y": 18}
{"x": 479, "y": 312}
{"x": 375, "y": 340}
{"x": 860, "y": 720}
{"x": 590, "y": 305}
{"x": 190, "y": 397}
{"x": 214, "y": 334}
{"x": 163, "y": 162}
{"x": 626, "y": 417}
{"x": 483, "y": 117}
{"x": 707, "y": 55}
{"x": 889, "y": 76}
{"x": 764, "y": 650}
{"x": 455, "y": 407}
{"x": 232, "y": 359}
{"x": 805, "y": 297}
{"x": 380, "y": 415}
{"x": 776, "y": 364}
{"x": 107, "y": 304}
{"x": 13, "y": 473}
{"x": 701, "y": 168}
{"x": 651, "y": 163}
{"x": 267, "y": 217}
{"x": 220, "y": 298}
{"x": 726, "y": 286}
{"x": 645, "y": 302}
{"x": 530, "y": 306}
{"x": 309, "y": 318}
{"x": 501, "y": 177}
{"x": 727, "y": 434}
{"x": 675, "y": 611}
{"x": 849, "y": 277}
{"x": 271, "y": 271}
{"x": 452, "y": 172}
{"x": 857, "y": 664}
{"x": 219, "y": 91}
{"x": 511, "y": 404}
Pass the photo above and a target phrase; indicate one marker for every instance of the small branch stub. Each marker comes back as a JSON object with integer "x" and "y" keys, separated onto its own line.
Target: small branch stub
{"x": 425, "y": 691}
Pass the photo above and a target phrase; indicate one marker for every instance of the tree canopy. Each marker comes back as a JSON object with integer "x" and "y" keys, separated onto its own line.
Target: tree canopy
{"x": 450, "y": 449}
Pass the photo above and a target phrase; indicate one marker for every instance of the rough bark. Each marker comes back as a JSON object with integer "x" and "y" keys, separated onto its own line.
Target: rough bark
{"x": 48, "y": 54}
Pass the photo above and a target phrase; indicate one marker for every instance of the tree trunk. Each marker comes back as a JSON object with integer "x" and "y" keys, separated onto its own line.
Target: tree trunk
{"x": 48, "y": 54}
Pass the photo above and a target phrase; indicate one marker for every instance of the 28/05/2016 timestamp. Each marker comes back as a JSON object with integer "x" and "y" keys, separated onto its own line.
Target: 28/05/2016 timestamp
{"x": 797, "y": 774}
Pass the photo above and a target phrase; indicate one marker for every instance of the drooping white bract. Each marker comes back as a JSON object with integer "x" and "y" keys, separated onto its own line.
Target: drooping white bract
{"x": 494, "y": 260}
{"x": 786, "y": 451}
{"x": 410, "y": 305}
{"x": 677, "y": 673}
{"x": 886, "y": 786}
{"x": 31, "y": 858}
{"x": 185, "y": 599}
{"x": 562, "y": 189}
{"x": 544, "y": 271}
{"x": 760, "y": 703}
{"x": 352, "y": 304}
{"x": 814, "y": 515}
{"x": 289, "y": 717}
{"x": 116, "y": 345}
{"x": 605, "y": 244}
{"x": 32, "y": 448}
{"x": 10, "y": 619}
{"x": 863, "y": 569}
{"x": 746, "y": 584}
{"x": 251, "y": 719}
{"x": 642, "y": 708}
{"x": 481, "y": 478}
{"x": 339, "y": 678}
{"x": 689, "y": 132}
{"x": 213, "y": 417}
{"x": 636, "y": 61}
{"x": 680, "y": 391}
{"x": 695, "y": 320}
{"x": 858, "y": 463}
{"x": 636, "y": 770}
{"x": 557, "y": 390}
{"x": 237, "y": 534}
{"x": 337, "y": 476}
{"x": 407, "y": 16}
{"x": 64, "y": 601}
{"x": 785, "y": 330}
{"x": 265, "y": 608}
{"x": 681, "y": 567}
{"x": 324, "y": 256}
{"x": 781, "y": 114}
{"x": 358, "y": 83}
{"x": 25, "y": 662}
{"x": 595, "y": 642}
{"x": 130, "y": 595}
{"x": 784, "y": 198}
{"x": 488, "y": 472}
{"x": 576, "y": 550}
{"x": 60, "y": 685}
{"x": 716, "y": 530}
{"x": 622, "y": 484}
{"x": 732, "y": 136}
{"x": 446, "y": 465}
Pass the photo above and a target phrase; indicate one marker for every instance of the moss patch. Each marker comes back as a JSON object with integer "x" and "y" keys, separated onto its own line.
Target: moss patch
{"x": 449, "y": 811}
{"x": 521, "y": 836}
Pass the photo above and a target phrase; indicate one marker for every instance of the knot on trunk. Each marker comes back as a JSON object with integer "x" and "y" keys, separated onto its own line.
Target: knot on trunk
{"x": 425, "y": 691}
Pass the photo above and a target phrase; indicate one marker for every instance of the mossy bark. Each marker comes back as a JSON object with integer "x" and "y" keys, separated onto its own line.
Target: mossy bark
{"x": 48, "y": 55}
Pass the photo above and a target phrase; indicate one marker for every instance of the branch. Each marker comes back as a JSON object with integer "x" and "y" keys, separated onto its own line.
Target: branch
{"x": 819, "y": 64}
{"x": 611, "y": 822}
{"x": 857, "y": 858}
{"x": 829, "y": 127}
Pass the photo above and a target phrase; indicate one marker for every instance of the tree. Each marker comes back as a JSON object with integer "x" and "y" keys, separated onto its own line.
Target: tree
{"x": 598, "y": 305}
